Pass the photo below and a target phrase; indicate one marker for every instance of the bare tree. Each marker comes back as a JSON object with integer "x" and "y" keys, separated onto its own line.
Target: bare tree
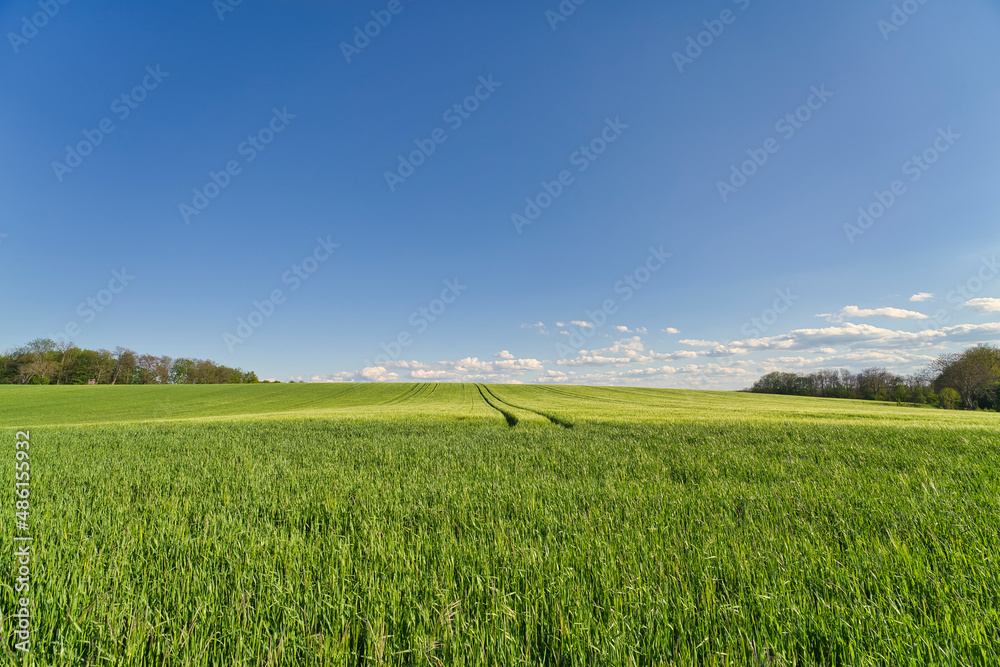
{"x": 162, "y": 369}
{"x": 36, "y": 363}
{"x": 124, "y": 365}
{"x": 65, "y": 349}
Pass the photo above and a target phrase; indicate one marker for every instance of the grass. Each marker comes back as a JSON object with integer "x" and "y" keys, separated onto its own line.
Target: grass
{"x": 475, "y": 524}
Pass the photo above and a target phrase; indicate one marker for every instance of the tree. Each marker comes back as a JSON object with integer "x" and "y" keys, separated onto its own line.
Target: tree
{"x": 43, "y": 361}
{"x": 162, "y": 369}
{"x": 38, "y": 371}
{"x": 151, "y": 369}
{"x": 36, "y": 366}
{"x": 124, "y": 366}
{"x": 65, "y": 349}
{"x": 950, "y": 398}
{"x": 974, "y": 374}
{"x": 181, "y": 371}
{"x": 877, "y": 383}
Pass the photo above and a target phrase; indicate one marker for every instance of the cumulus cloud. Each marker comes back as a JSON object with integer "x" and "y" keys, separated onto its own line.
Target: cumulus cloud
{"x": 892, "y": 313}
{"x": 922, "y": 296}
{"x": 704, "y": 364}
{"x": 670, "y": 330}
{"x": 698, "y": 343}
{"x": 629, "y": 351}
{"x": 866, "y": 335}
{"x": 625, "y": 351}
{"x": 553, "y": 376}
{"x": 690, "y": 376}
{"x": 538, "y": 327}
{"x": 505, "y": 369}
{"x": 369, "y": 374}
{"x": 985, "y": 305}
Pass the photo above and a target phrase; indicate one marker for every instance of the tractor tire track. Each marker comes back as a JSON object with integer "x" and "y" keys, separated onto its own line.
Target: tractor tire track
{"x": 509, "y": 416}
{"x": 555, "y": 420}
{"x": 405, "y": 396}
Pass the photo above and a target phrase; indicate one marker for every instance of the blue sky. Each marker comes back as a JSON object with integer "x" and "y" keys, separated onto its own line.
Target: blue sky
{"x": 247, "y": 140}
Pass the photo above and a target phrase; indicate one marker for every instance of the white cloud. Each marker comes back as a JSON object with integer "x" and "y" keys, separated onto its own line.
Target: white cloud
{"x": 369, "y": 374}
{"x": 705, "y": 364}
{"x": 505, "y": 369}
{"x": 985, "y": 305}
{"x": 378, "y": 374}
{"x": 632, "y": 351}
{"x": 553, "y": 376}
{"x": 868, "y": 336}
{"x": 431, "y": 375}
{"x": 638, "y": 330}
{"x": 670, "y": 330}
{"x": 625, "y": 351}
{"x": 854, "y": 311}
{"x": 894, "y": 313}
{"x": 537, "y": 326}
{"x": 582, "y": 323}
{"x": 406, "y": 365}
{"x": 922, "y": 296}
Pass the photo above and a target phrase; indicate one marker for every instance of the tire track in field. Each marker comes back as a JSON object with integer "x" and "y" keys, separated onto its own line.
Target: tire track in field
{"x": 509, "y": 416}
{"x": 555, "y": 420}
{"x": 405, "y": 396}
{"x": 560, "y": 391}
{"x": 421, "y": 391}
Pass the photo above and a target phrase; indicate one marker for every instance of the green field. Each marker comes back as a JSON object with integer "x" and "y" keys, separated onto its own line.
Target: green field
{"x": 469, "y": 524}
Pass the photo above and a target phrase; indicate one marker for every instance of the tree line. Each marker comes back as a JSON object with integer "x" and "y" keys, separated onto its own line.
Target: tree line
{"x": 967, "y": 380}
{"x": 44, "y": 361}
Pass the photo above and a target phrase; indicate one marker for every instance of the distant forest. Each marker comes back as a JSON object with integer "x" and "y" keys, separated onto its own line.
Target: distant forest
{"x": 967, "y": 380}
{"x": 43, "y": 361}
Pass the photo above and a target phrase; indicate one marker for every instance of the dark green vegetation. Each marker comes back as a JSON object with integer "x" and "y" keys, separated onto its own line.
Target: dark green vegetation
{"x": 504, "y": 525}
{"x": 969, "y": 380}
{"x": 44, "y": 361}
